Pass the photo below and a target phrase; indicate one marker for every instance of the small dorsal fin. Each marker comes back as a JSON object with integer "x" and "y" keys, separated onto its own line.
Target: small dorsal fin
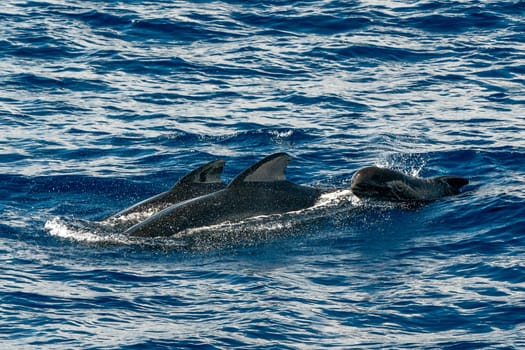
{"x": 208, "y": 173}
{"x": 268, "y": 169}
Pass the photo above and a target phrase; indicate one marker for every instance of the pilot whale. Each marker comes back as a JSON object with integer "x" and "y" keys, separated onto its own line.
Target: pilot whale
{"x": 203, "y": 180}
{"x": 390, "y": 185}
{"x": 261, "y": 189}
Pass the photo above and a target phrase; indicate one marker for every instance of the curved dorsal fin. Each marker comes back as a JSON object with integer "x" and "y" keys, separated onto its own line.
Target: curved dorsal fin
{"x": 268, "y": 169}
{"x": 208, "y": 173}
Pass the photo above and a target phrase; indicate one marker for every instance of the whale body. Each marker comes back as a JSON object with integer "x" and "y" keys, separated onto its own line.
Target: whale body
{"x": 203, "y": 180}
{"x": 262, "y": 189}
{"x": 390, "y": 185}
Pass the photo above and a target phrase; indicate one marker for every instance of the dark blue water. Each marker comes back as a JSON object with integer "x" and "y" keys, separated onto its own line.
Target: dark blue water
{"x": 103, "y": 104}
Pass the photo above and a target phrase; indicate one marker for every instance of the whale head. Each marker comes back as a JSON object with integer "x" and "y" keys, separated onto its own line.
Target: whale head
{"x": 377, "y": 183}
{"x": 390, "y": 185}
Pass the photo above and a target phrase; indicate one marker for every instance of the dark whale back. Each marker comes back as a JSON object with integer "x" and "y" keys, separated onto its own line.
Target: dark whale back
{"x": 203, "y": 180}
{"x": 262, "y": 189}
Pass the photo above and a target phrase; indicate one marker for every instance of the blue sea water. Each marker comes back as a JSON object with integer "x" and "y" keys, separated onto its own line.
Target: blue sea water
{"x": 105, "y": 103}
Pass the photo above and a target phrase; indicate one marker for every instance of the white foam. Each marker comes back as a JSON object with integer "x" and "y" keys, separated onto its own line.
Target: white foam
{"x": 131, "y": 218}
{"x": 336, "y": 198}
{"x": 58, "y": 228}
{"x": 81, "y": 231}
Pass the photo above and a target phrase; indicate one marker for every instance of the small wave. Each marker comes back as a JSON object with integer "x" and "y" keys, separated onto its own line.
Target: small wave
{"x": 322, "y": 24}
{"x": 100, "y": 19}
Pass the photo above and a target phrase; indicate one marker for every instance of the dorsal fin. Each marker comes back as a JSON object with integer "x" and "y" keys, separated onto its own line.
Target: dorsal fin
{"x": 268, "y": 169}
{"x": 208, "y": 173}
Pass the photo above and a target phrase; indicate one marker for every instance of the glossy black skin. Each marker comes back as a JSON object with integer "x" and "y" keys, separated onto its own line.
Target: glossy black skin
{"x": 181, "y": 193}
{"x": 200, "y": 181}
{"x": 231, "y": 204}
{"x": 390, "y": 185}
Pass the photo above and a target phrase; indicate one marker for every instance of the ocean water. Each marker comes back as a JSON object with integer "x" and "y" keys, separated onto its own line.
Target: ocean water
{"x": 105, "y": 103}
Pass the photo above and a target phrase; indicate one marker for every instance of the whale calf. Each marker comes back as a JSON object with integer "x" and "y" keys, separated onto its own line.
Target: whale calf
{"x": 203, "y": 180}
{"x": 261, "y": 189}
{"x": 390, "y": 185}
